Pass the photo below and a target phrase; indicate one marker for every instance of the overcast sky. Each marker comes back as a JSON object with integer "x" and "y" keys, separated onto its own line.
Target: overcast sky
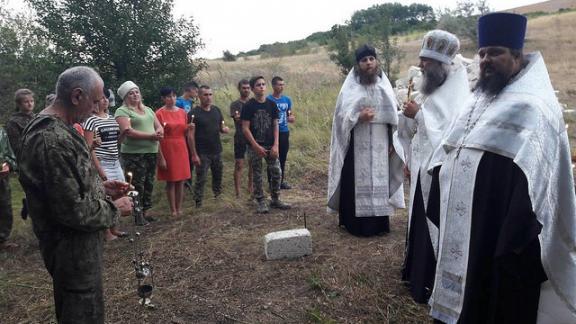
{"x": 244, "y": 25}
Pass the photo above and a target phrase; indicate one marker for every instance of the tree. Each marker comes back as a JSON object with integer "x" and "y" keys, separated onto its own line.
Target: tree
{"x": 463, "y": 20}
{"x": 136, "y": 40}
{"x": 25, "y": 60}
{"x": 343, "y": 47}
{"x": 227, "y": 56}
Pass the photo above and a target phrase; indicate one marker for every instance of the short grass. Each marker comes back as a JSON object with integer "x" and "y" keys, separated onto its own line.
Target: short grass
{"x": 209, "y": 264}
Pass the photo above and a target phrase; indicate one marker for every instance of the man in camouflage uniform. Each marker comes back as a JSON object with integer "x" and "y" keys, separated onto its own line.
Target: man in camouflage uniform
{"x": 67, "y": 201}
{"x": 7, "y": 163}
{"x": 260, "y": 127}
{"x": 24, "y": 100}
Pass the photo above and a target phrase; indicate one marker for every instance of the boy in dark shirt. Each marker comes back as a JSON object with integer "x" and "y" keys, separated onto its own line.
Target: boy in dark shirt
{"x": 205, "y": 145}
{"x": 239, "y": 139}
{"x": 260, "y": 127}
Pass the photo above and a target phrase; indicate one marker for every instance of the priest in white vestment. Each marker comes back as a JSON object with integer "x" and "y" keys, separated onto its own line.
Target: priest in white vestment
{"x": 507, "y": 249}
{"x": 365, "y": 173}
{"x": 443, "y": 90}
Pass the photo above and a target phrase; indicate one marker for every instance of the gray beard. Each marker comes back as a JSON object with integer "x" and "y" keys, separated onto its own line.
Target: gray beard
{"x": 433, "y": 79}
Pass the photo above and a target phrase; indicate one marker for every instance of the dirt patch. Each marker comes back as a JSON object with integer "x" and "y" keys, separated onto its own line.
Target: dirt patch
{"x": 209, "y": 267}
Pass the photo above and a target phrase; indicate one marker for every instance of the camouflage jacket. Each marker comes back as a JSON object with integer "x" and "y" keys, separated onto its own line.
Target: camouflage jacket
{"x": 64, "y": 192}
{"x": 14, "y": 127}
{"x": 6, "y": 154}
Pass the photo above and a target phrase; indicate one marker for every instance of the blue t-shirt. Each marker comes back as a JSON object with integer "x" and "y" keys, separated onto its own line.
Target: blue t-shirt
{"x": 185, "y": 104}
{"x": 284, "y": 104}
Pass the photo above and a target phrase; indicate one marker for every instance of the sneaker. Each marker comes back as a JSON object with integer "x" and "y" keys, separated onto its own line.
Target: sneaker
{"x": 278, "y": 204}
{"x": 262, "y": 207}
{"x": 285, "y": 186}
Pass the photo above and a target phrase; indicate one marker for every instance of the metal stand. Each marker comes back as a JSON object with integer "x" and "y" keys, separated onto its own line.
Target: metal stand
{"x": 143, "y": 270}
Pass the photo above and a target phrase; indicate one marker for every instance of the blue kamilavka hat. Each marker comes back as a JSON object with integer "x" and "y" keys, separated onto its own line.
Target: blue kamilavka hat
{"x": 502, "y": 29}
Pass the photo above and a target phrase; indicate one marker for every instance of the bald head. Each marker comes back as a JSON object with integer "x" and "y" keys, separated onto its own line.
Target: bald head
{"x": 75, "y": 78}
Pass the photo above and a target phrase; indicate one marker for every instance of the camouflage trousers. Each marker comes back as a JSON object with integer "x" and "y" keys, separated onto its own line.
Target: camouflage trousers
{"x": 143, "y": 168}
{"x": 74, "y": 260}
{"x": 5, "y": 209}
{"x": 273, "y": 168}
{"x": 214, "y": 162}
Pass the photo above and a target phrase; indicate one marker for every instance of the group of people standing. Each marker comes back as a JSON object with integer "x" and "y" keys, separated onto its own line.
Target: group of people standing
{"x": 76, "y": 163}
{"x": 492, "y": 211}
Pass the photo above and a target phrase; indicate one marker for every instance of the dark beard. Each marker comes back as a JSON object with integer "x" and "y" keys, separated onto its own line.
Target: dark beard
{"x": 367, "y": 77}
{"x": 434, "y": 77}
{"x": 493, "y": 84}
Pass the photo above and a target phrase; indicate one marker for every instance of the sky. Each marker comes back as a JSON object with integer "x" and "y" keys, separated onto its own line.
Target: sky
{"x": 242, "y": 26}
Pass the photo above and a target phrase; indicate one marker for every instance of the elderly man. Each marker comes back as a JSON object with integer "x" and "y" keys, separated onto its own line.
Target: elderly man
{"x": 67, "y": 201}
{"x": 507, "y": 208}
{"x": 365, "y": 174}
{"x": 444, "y": 87}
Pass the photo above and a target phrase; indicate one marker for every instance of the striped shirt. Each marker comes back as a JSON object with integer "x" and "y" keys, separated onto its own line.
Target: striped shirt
{"x": 108, "y": 130}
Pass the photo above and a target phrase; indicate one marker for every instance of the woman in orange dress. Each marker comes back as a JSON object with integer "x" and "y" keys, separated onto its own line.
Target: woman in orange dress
{"x": 173, "y": 154}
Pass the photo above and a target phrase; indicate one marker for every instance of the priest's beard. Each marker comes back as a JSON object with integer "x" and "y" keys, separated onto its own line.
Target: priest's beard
{"x": 492, "y": 84}
{"x": 367, "y": 77}
{"x": 434, "y": 76}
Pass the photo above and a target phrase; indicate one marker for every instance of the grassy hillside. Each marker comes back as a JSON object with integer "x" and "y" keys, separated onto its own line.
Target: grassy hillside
{"x": 208, "y": 264}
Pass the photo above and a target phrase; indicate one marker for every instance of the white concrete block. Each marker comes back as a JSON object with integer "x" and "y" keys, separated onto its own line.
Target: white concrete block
{"x": 287, "y": 244}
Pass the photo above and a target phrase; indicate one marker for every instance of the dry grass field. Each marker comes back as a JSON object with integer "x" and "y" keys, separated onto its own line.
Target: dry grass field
{"x": 209, "y": 265}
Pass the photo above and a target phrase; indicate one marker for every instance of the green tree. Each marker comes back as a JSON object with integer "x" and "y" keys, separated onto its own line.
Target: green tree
{"x": 462, "y": 21}
{"x": 137, "y": 40}
{"x": 343, "y": 48}
{"x": 26, "y": 60}
{"x": 227, "y": 56}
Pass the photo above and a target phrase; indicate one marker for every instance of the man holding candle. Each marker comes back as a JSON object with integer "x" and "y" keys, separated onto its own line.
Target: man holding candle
{"x": 239, "y": 139}
{"x": 204, "y": 143}
{"x": 69, "y": 205}
{"x": 285, "y": 116}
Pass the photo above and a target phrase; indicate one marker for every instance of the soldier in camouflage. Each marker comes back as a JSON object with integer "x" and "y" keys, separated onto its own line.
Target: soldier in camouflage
{"x": 24, "y": 99}
{"x": 7, "y": 164}
{"x": 260, "y": 127}
{"x": 67, "y": 201}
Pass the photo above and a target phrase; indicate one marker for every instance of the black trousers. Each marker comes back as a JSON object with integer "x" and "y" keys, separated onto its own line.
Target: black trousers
{"x": 283, "y": 147}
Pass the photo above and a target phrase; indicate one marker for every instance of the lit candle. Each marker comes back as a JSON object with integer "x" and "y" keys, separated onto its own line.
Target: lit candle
{"x": 129, "y": 178}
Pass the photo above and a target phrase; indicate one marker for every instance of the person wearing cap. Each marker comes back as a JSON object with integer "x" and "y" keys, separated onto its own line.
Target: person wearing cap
{"x": 365, "y": 179}
{"x": 507, "y": 206}
{"x": 443, "y": 89}
{"x": 140, "y": 131}
{"x": 104, "y": 129}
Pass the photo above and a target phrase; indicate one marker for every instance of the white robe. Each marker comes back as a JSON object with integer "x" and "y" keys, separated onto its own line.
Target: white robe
{"x": 378, "y": 175}
{"x": 421, "y": 135}
{"x": 524, "y": 123}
